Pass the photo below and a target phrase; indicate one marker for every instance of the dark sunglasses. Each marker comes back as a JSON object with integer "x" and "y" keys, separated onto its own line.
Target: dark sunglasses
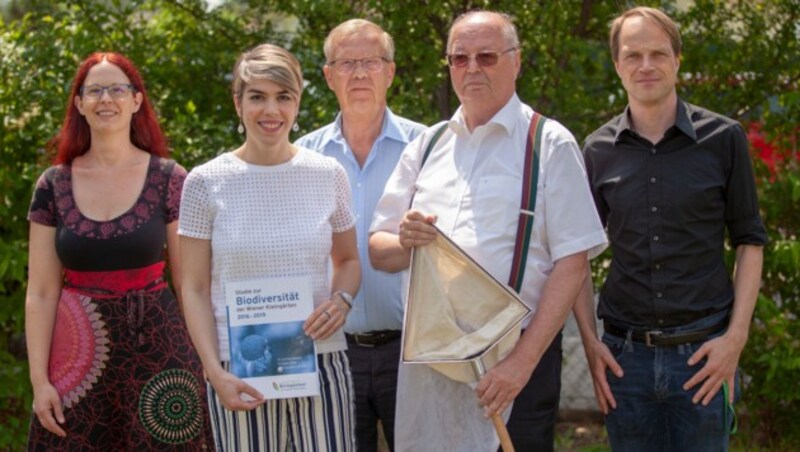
{"x": 484, "y": 59}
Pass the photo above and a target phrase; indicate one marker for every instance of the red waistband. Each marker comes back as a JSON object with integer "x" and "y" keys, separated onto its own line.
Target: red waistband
{"x": 118, "y": 281}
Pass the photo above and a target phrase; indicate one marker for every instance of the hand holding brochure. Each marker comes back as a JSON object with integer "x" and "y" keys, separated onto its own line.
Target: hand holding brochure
{"x": 269, "y": 349}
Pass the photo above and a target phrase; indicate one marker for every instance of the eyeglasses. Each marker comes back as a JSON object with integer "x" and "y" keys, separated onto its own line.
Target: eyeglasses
{"x": 346, "y": 66}
{"x": 117, "y": 90}
{"x": 484, "y": 59}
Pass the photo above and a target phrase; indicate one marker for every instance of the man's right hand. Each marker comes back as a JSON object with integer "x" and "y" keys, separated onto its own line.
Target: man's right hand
{"x": 416, "y": 229}
{"x": 600, "y": 358}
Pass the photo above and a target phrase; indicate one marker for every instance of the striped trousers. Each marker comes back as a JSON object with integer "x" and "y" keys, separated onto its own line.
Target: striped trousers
{"x": 324, "y": 423}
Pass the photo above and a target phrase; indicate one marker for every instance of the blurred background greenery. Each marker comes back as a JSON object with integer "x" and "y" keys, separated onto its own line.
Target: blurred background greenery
{"x": 740, "y": 58}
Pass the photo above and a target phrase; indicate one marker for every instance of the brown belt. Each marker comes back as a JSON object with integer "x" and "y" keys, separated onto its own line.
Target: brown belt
{"x": 373, "y": 338}
{"x": 651, "y": 338}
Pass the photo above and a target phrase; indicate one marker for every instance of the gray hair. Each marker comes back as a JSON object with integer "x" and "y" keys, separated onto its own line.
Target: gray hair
{"x": 355, "y": 26}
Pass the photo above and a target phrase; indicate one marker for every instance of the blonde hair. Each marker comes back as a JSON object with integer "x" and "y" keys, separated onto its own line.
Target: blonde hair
{"x": 355, "y": 26}
{"x": 658, "y": 17}
{"x": 268, "y": 62}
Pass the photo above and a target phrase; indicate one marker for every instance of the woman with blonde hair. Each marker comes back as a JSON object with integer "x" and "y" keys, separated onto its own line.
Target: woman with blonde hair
{"x": 269, "y": 209}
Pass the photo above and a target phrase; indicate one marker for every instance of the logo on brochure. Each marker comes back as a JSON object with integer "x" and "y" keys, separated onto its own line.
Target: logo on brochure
{"x": 296, "y": 385}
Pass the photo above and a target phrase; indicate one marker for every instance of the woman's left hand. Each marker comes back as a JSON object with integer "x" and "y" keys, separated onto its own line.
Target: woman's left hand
{"x": 326, "y": 319}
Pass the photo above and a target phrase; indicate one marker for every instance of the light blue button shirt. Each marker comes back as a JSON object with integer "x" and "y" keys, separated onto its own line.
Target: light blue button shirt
{"x": 378, "y": 304}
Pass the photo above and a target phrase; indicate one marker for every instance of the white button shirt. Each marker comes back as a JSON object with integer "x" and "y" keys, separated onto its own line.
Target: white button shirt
{"x": 472, "y": 183}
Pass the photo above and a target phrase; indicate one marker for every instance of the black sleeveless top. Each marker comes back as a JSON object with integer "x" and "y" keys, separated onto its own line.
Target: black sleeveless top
{"x": 132, "y": 240}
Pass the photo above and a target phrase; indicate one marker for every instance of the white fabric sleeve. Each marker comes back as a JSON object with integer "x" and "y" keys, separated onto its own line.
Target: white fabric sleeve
{"x": 343, "y": 217}
{"x": 196, "y": 218}
{"x": 401, "y": 186}
{"x": 571, "y": 221}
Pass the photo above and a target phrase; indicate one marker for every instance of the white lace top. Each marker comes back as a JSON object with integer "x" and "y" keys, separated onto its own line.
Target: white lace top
{"x": 267, "y": 221}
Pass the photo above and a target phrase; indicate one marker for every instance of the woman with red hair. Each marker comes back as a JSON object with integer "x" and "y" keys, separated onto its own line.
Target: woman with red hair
{"x": 111, "y": 363}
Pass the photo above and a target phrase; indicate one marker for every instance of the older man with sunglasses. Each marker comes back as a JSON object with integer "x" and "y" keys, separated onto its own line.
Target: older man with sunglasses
{"x": 471, "y": 186}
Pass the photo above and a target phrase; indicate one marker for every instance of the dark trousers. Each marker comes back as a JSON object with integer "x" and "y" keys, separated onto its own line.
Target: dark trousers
{"x": 374, "y": 372}
{"x": 533, "y": 417}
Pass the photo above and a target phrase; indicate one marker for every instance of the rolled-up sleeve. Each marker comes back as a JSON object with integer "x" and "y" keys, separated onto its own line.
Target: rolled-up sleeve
{"x": 742, "y": 216}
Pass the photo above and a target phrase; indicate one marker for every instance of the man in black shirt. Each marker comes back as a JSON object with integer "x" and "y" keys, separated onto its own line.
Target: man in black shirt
{"x": 668, "y": 179}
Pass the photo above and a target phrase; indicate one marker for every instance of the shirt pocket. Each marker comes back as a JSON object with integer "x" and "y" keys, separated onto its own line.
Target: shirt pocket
{"x": 496, "y": 204}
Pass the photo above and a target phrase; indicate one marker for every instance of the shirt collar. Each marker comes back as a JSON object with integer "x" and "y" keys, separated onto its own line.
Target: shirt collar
{"x": 389, "y": 129}
{"x": 624, "y": 124}
{"x": 505, "y": 118}
{"x": 332, "y": 132}
{"x": 682, "y": 121}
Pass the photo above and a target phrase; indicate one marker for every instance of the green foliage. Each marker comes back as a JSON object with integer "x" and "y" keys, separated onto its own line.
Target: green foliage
{"x": 771, "y": 360}
{"x": 737, "y": 54}
{"x": 740, "y": 58}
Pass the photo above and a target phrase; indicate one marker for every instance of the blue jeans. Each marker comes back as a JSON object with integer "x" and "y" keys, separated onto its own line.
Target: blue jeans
{"x": 654, "y": 412}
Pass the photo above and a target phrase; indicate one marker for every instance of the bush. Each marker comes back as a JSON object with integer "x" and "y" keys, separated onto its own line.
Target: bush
{"x": 185, "y": 52}
{"x": 771, "y": 361}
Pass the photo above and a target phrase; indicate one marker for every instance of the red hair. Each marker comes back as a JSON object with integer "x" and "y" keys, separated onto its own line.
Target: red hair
{"x": 74, "y": 138}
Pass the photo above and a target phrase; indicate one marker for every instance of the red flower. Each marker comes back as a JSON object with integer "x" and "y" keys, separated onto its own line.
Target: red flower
{"x": 763, "y": 149}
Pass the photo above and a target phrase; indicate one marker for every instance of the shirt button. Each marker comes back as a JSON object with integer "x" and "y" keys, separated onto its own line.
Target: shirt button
{"x": 655, "y": 238}
{"x": 658, "y": 266}
{"x": 654, "y": 209}
{"x": 652, "y": 180}
{"x": 358, "y": 185}
{"x": 653, "y": 151}
{"x": 660, "y": 321}
{"x": 658, "y": 294}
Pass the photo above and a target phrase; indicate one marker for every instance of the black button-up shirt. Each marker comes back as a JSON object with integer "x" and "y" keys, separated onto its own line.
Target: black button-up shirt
{"x": 666, "y": 207}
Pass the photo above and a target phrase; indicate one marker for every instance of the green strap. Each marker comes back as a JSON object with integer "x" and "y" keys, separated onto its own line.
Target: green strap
{"x": 530, "y": 178}
{"x": 528, "y": 202}
{"x": 728, "y": 409}
{"x": 433, "y": 141}
{"x": 427, "y": 152}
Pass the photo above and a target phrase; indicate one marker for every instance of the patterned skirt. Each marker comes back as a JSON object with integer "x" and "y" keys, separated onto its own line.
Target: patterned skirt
{"x": 124, "y": 367}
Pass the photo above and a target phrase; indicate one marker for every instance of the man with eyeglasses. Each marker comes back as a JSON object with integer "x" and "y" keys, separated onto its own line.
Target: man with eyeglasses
{"x": 471, "y": 187}
{"x": 669, "y": 178}
{"x": 367, "y": 139}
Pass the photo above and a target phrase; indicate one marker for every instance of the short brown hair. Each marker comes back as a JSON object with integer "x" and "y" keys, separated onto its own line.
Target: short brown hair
{"x": 657, "y": 16}
{"x": 268, "y": 62}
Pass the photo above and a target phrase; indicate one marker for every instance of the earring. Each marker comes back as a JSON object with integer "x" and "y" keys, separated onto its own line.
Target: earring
{"x": 240, "y": 129}
{"x": 295, "y": 127}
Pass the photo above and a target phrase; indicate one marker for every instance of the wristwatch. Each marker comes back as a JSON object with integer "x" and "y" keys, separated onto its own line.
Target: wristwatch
{"x": 346, "y": 297}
